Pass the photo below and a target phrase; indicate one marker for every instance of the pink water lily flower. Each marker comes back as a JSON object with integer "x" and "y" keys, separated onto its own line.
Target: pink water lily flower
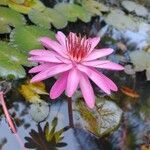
{"x": 75, "y": 60}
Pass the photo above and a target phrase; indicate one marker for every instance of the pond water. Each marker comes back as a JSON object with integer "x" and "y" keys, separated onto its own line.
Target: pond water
{"x": 120, "y": 121}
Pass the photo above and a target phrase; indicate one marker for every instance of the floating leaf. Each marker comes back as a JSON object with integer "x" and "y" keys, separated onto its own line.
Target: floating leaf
{"x": 94, "y": 7}
{"x": 138, "y": 9}
{"x": 47, "y": 17}
{"x": 141, "y": 61}
{"x": 39, "y": 111}
{"x": 38, "y": 139}
{"x": 119, "y": 20}
{"x": 10, "y": 56}
{"x": 26, "y": 38}
{"x": 24, "y": 6}
{"x": 31, "y": 91}
{"x": 9, "y": 18}
{"x": 129, "y": 92}
{"x": 73, "y": 11}
{"x": 3, "y": 2}
{"x": 103, "y": 120}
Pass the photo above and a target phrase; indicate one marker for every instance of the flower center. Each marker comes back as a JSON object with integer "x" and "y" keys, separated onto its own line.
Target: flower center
{"x": 77, "y": 47}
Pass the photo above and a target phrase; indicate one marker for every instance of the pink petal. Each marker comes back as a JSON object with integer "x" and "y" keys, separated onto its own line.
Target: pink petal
{"x": 72, "y": 82}
{"x": 61, "y": 38}
{"x": 93, "y": 42}
{"x": 51, "y": 72}
{"x": 47, "y": 42}
{"x": 109, "y": 82}
{"x": 40, "y": 52}
{"x": 110, "y": 65}
{"x": 41, "y": 67}
{"x": 98, "y": 53}
{"x": 87, "y": 91}
{"x": 9, "y": 120}
{"x": 59, "y": 86}
{"x": 95, "y": 77}
{"x": 95, "y": 62}
{"x": 50, "y": 59}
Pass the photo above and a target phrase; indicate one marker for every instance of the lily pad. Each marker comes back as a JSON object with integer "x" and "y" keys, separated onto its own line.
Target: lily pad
{"x": 47, "y": 17}
{"x": 3, "y": 2}
{"x": 141, "y": 61}
{"x": 39, "y": 111}
{"x": 73, "y": 11}
{"x": 24, "y": 6}
{"x": 119, "y": 20}
{"x": 10, "y": 56}
{"x": 94, "y": 7}
{"x": 138, "y": 9}
{"x": 26, "y": 38}
{"x": 104, "y": 119}
{"x": 9, "y": 18}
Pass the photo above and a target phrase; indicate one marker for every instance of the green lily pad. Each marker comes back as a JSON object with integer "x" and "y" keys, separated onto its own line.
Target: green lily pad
{"x": 141, "y": 61}
{"x": 73, "y": 11}
{"x": 104, "y": 119}
{"x": 24, "y": 6}
{"x": 3, "y": 2}
{"x": 9, "y": 18}
{"x": 26, "y": 38}
{"x": 11, "y": 61}
{"x": 47, "y": 17}
{"x": 123, "y": 21}
{"x": 94, "y": 7}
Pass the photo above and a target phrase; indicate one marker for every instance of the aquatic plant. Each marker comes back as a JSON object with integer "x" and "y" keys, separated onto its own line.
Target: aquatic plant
{"x": 74, "y": 58}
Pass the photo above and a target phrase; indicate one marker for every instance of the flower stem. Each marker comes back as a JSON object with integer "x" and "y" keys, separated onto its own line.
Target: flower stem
{"x": 9, "y": 120}
{"x": 70, "y": 114}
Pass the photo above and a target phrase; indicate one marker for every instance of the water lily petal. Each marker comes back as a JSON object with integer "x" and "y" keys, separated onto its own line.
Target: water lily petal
{"x": 98, "y": 53}
{"x": 109, "y": 82}
{"x": 72, "y": 82}
{"x": 87, "y": 91}
{"x": 49, "y": 59}
{"x": 51, "y": 72}
{"x": 47, "y": 42}
{"x": 59, "y": 86}
{"x": 61, "y": 38}
{"x": 41, "y": 52}
{"x": 41, "y": 67}
{"x": 95, "y": 62}
{"x": 95, "y": 77}
{"x": 110, "y": 66}
{"x": 93, "y": 42}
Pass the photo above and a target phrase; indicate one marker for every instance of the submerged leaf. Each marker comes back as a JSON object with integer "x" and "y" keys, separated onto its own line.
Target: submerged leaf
{"x": 104, "y": 119}
{"x": 47, "y": 17}
{"x": 39, "y": 111}
{"x": 73, "y": 11}
{"x": 10, "y": 56}
{"x": 26, "y": 38}
{"x": 24, "y": 6}
{"x": 31, "y": 91}
{"x": 9, "y": 18}
{"x": 38, "y": 139}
